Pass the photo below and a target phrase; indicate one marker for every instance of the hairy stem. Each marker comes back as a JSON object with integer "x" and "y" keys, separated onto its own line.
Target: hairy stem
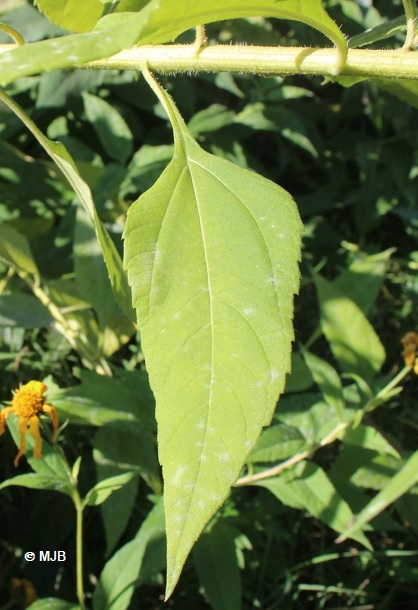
{"x": 263, "y": 60}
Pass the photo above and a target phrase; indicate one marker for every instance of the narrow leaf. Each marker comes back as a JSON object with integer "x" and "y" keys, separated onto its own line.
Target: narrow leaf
{"x": 63, "y": 160}
{"x": 100, "y": 492}
{"x": 400, "y": 483}
{"x": 37, "y": 481}
{"x": 382, "y": 31}
{"x": 211, "y": 252}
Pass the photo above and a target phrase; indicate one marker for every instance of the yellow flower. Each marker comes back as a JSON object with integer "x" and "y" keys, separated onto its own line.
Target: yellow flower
{"x": 410, "y": 346}
{"x": 27, "y": 403}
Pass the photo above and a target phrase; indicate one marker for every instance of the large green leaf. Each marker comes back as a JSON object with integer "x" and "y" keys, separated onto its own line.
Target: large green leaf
{"x": 176, "y": 16}
{"x": 113, "y": 33}
{"x": 72, "y": 14}
{"x": 63, "y": 160}
{"x": 211, "y": 252}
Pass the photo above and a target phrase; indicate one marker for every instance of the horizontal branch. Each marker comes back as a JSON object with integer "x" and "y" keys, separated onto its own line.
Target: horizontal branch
{"x": 393, "y": 64}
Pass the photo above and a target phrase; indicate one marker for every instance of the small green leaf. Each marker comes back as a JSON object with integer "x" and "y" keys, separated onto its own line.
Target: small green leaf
{"x": 76, "y": 468}
{"x": 100, "y": 492}
{"x": 216, "y": 563}
{"x": 15, "y": 250}
{"x": 289, "y": 125}
{"x": 210, "y": 119}
{"x": 36, "y": 481}
{"x": 23, "y": 310}
{"x": 51, "y": 471}
{"x": 52, "y": 603}
{"x": 328, "y": 381}
{"x": 400, "y": 483}
{"x": 319, "y": 497}
{"x": 216, "y": 344}
{"x": 277, "y": 443}
{"x": 110, "y": 127}
{"x": 121, "y": 573}
{"x": 390, "y": 28}
{"x": 352, "y": 339}
{"x": 363, "y": 270}
{"x": 368, "y": 437}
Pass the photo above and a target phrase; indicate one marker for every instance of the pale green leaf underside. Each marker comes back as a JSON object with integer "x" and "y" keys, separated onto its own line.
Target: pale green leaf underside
{"x": 211, "y": 252}
{"x": 157, "y": 22}
{"x": 72, "y": 14}
{"x": 113, "y": 35}
{"x": 176, "y": 16}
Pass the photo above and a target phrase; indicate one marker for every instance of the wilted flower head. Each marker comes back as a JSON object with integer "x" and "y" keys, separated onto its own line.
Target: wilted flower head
{"x": 22, "y": 587}
{"x": 410, "y": 346}
{"x": 27, "y": 403}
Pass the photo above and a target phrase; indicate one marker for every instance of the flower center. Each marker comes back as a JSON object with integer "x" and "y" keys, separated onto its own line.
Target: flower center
{"x": 28, "y": 401}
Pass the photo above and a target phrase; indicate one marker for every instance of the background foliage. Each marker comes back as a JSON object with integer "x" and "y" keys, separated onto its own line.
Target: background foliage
{"x": 348, "y": 157}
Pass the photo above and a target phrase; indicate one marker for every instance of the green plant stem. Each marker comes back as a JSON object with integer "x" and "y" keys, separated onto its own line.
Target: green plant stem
{"x": 366, "y": 63}
{"x": 394, "y": 382}
{"x": 263, "y": 60}
{"x": 79, "y": 548}
{"x": 18, "y": 38}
